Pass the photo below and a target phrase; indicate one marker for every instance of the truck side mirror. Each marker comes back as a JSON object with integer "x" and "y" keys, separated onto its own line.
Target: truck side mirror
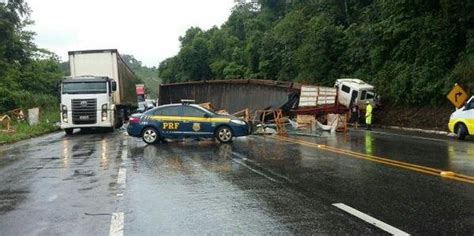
{"x": 114, "y": 86}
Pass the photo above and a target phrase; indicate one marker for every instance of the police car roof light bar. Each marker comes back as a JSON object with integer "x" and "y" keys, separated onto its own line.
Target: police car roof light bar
{"x": 187, "y": 101}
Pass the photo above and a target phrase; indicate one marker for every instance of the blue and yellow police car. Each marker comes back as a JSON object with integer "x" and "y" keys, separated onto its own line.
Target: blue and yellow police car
{"x": 185, "y": 120}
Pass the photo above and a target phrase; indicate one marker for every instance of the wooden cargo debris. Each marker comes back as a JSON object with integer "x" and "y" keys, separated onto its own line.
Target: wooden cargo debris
{"x": 341, "y": 121}
{"x": 207, "y": 105}
{"x": 314, "y": 96}
{"x": 244, "y": 114}
{"x": 17, "y": 114}
{"x": 5, "y": 123}
{"x": 305, "y": 121}
{"x": 260, "y": 115}
{"x": 222, "y": 112}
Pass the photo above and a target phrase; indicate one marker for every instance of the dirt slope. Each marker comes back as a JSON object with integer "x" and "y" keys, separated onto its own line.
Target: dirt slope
{"x": 429, "y": 117}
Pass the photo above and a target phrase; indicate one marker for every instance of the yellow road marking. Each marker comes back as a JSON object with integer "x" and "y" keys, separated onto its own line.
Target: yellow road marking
{"x": 399, "y": 164}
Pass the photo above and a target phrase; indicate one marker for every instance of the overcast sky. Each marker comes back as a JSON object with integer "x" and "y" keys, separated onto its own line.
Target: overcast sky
{"x": 147, "y": 29}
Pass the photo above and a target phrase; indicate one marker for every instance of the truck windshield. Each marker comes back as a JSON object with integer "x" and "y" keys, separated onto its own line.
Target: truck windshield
{"x": 84, "y": 87}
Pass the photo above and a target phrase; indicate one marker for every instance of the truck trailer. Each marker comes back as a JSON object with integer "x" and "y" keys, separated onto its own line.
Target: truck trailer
{"x": 99, "y": 93}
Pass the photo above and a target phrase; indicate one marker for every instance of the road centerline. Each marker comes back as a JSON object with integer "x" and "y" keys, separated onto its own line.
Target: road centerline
{"x": 124, "y": 155}
{"x": 381, "y": 160}
{"x": 117, "y": 224}
{"x": 122, "y": 175}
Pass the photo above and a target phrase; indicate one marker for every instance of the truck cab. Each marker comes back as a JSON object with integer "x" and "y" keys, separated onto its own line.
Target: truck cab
{"x": 461, "y": 121}
{"x": 356, "y": 91}
{"x": 88, "y": 101}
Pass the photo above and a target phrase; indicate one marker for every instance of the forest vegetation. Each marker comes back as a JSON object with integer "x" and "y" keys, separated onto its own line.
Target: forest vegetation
{"x": 29, "y": 75}
{"x": 413, "y": 51}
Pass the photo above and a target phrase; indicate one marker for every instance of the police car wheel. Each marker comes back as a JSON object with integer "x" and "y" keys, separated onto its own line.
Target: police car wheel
{"x": 150, "y": 135}
{"x": 224, "y": 134}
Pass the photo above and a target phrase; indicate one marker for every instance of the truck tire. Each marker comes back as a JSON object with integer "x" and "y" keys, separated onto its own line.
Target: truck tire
{"x": 119, "y": 123}
{"x": 224, "y": 134}
{"x": 69, "y": 131}
{"x": 461, "y": 131}
{"x": 118, "y": 120}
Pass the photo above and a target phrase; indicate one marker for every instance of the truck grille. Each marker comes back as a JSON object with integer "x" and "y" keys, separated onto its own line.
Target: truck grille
{"x": 84, "y": 111}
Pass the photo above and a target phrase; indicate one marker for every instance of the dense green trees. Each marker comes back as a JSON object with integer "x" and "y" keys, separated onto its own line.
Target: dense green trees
{"x": 28, "y": 75}
{"x": 412, "y": 50}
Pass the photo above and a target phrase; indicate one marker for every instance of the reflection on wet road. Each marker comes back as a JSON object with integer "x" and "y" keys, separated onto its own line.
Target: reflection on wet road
{"x": 113, "y": 184}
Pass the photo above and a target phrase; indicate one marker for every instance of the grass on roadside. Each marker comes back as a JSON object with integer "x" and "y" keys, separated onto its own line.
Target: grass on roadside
{"x": 48, "y": 119}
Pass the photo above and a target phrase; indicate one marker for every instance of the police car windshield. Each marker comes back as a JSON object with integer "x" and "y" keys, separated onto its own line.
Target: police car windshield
{"x": 207, "y": 110}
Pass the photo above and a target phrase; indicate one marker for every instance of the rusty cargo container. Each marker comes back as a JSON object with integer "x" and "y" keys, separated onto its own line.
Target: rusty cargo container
{"x": 231, "y": 95}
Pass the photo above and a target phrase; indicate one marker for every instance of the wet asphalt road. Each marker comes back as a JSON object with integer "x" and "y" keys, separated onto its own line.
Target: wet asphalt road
{"x": 257, "y": 185}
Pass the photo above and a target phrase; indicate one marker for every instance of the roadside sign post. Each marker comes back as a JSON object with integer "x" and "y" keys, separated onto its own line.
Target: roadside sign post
{"x": 457, "y": 96}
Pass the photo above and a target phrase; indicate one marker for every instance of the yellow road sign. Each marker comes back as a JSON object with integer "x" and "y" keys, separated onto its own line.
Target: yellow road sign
{"x": 457, "y": 96}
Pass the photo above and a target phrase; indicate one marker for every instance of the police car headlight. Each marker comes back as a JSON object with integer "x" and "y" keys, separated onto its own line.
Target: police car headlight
{"x": 238, "y": 122}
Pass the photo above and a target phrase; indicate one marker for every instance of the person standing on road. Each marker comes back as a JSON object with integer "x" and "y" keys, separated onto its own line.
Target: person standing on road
{"x": 355, "y": 115}
{"x": 368, "y": 115}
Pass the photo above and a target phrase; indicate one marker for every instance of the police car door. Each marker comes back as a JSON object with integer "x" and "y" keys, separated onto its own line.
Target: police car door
{"x": 195, "y": 123}
{"x": 169, "y": 122}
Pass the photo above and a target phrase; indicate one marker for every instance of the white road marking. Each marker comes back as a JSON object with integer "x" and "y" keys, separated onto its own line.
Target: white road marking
{"x": 116, "y": 224}
{"x": 124, "y": 154}
{"x": 244, "y": 158}
{"x": 122, "y": 175}
{"x": 370, "y": 219}
{"x": 255, "y": 171}
{"x": 240, "y": 156}
{"x": 407, "y": 135}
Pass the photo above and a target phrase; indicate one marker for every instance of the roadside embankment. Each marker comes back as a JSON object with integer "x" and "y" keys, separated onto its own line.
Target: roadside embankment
{"x": 47, "y": 124}
{"x": 427, "y": 117}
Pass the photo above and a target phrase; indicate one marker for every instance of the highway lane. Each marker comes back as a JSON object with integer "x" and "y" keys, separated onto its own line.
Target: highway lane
{"x": 111, "y": 184}
{"x": 59, "y": 185}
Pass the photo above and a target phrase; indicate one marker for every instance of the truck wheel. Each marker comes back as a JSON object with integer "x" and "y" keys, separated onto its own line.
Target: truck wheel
{"x": 150, "y": 135}
{"x": 69, "y": 131}
{"x": 118, "y": 120}
{"x": 119, "y": 124}
{"x": 224, "y": 134}
{"x": 461, "y": 131}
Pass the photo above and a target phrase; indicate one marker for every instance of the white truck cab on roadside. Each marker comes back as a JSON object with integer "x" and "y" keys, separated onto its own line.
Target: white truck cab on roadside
{"x": 461, "y": 121}
{"x": 355, "y": 90}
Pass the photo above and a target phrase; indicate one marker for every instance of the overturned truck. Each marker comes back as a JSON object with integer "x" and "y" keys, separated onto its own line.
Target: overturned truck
{"x": 234, "y": 95}
{"x": 231, "y": 95}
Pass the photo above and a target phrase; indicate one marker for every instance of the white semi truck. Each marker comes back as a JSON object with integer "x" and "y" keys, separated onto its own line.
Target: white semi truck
{"x": 99, "y": 93}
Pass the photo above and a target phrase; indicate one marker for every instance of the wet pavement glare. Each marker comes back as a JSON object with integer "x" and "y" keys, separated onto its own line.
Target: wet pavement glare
{"x": 60, "y": 184}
